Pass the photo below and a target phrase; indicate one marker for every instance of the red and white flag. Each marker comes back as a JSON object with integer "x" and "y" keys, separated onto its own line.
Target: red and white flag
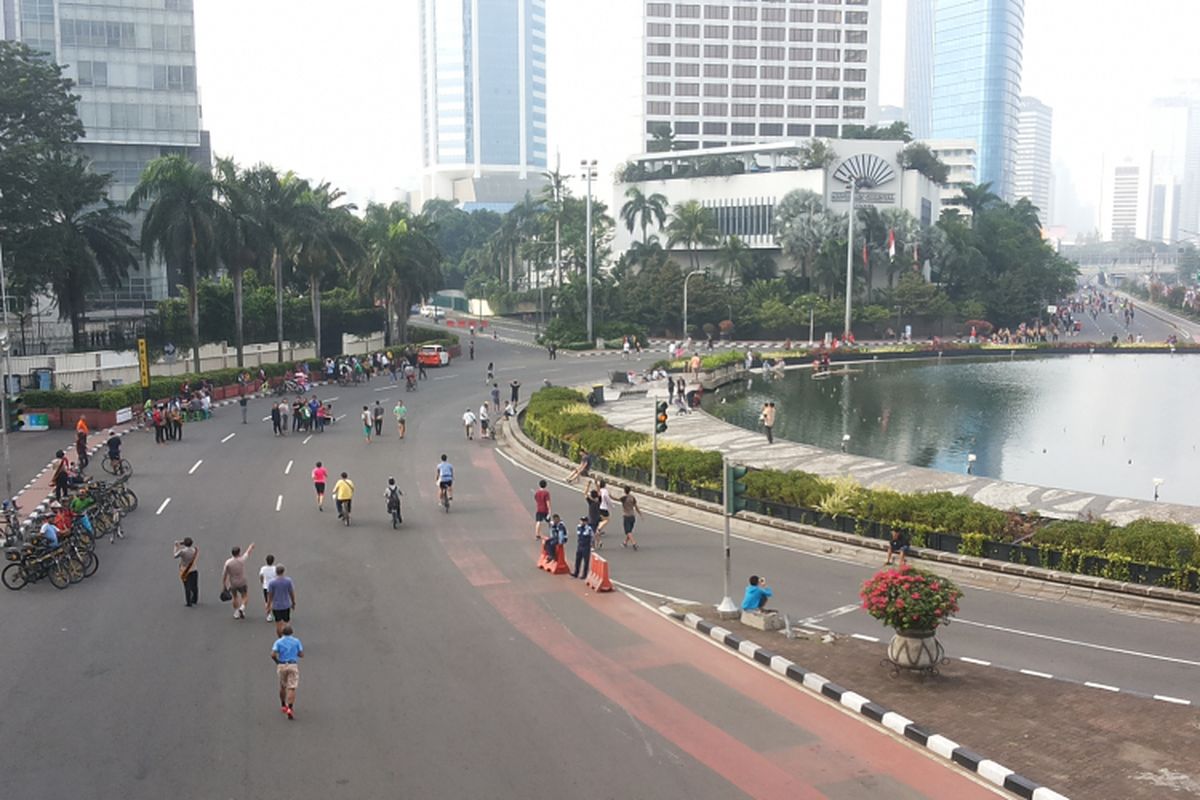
{"x": 891, "y": 244}
{"x": 866, "y": 258}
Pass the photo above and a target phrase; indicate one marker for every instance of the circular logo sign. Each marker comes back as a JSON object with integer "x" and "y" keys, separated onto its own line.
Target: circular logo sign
{"x": 865, "y": 170}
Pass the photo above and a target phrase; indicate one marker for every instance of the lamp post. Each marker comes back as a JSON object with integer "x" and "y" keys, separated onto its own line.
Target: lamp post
{"x": 589, "y": 171}
{"x": 1157, "y": 483}
{"x": 7, "y": 345}
{"x": 685, "y": 288}
{"x": 849, "y": 259}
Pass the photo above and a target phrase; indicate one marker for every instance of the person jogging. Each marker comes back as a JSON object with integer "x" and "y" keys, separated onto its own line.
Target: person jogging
{"x": 629, "y": 514}
{"x": 319, "y": 476}
{"x": 286, "y": 653}
{"x": 266, "y": 574}
{"x": 343, "y": 494}
{"x": 377, "y": 418}
{"x": 366, "y": 423}
{"x": 400, "y": 413}
{"x": 281, "y": 599}
{"x": 233, "y": 579}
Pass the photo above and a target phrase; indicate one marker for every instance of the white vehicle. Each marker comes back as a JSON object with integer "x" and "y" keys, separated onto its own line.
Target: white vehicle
{"x": 433, "y": 312}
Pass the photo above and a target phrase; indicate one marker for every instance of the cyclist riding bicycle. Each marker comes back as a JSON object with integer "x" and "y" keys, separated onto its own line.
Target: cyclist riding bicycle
{"x": 445, "y": 478}
{"x": 391, "y": 494}
{"x": 114, "y": 450}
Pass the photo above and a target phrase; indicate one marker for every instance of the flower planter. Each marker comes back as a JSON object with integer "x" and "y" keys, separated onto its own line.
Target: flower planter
{"x": 918, "y": 651}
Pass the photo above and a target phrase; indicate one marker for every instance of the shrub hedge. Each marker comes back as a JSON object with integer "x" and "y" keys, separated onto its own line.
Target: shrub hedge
{"x": 557, "y": 416}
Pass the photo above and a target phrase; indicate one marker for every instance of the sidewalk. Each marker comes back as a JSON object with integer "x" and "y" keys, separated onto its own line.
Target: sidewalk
{"x": 706, "y": 432}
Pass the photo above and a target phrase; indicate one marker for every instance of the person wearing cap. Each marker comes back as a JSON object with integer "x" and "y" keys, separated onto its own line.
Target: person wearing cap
{"x": 583, "y": 547}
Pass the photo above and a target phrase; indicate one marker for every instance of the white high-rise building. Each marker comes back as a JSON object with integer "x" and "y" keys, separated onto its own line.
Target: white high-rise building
{"x": 961, "y": 157}
{"x": 729, "y": 72}
{"x": 1033, "y": 175}
{"x": 134, "y": 65}
{"x": 1125, "y": 208}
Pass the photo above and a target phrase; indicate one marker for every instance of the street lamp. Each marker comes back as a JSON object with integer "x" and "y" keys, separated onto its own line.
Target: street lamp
{"x": 685, "y": 288}
{"x": 1157, "y": 483}
{"x": 855, "y": 184}
{"x": 7, "y": 345}
{"x": 589, "y": 171}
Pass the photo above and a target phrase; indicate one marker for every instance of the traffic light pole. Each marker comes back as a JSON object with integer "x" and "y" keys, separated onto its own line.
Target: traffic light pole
{"x": 726, "y": 606}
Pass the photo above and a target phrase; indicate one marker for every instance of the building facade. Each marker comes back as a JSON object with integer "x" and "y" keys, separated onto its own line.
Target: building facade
{"x": 918, "y": 68}
{"x": 1125, "y": 208}
{"x": 960, "y": 157}
{"x": 1033, "y": 173}
{"x": 483, "y": 99}
{"x": 134, "y": 63}
{"x": 731, "y": 72}
{"x": 977, "y": 49}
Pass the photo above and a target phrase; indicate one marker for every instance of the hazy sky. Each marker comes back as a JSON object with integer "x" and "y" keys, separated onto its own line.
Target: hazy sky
{"x": 331, "y": 90}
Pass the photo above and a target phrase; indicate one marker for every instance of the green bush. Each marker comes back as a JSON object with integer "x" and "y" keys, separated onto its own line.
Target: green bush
{"x": 1146, "y": 541}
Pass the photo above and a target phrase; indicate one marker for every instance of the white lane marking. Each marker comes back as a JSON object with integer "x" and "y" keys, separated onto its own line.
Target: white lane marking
{"x": 381, "y": 389}
{"x": 1077, "y": 643}
{"x": 864, "y": 637}
{"x": 444, "y": 377}
{"x": 164, "y": 505}
{"x": 341, "y": 417}
{"x": 279, "y": 502}
{"x": 331, "y": 399}
{"x": 1103, "y": 686}
{"x": 1035, "y": 673}
{"x": 978, "y": 661}
{"x": 266, "y": 419}
{"x": 632, "y": 588}
{"x": 1176, "y": 700}
{"x": 195, "y": 466}
{"x": 227, "y": 438}
{"x": 288, "y": 469}
{"x": 306, "y": 438}
{"x": 834, "y": 612}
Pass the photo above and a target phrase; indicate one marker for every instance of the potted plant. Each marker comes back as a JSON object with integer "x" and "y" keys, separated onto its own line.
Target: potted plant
{"x": 913, "y": 603}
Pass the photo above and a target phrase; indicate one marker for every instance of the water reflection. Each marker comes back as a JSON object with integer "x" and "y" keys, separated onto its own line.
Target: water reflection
{"x": 1103, "y": 424}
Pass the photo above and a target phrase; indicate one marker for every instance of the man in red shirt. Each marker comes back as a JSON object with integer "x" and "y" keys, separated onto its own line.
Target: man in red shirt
{"x": 541, "y": 512}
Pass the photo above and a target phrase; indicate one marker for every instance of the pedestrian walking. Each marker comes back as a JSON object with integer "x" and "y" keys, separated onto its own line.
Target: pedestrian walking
{"x": 283, "y": 417}
{"x": 281, "y": 599}
{"x": 768, "y": 421}
{"x": 160, "y": 425}
{"x": 377, "y": 417}
{"x": 605, "y": 509}
{"x": 496, "y": 397}
{"x": 366, "y": 423}
{"x": 468, "y": 419}
{"x": 188, "y": 554}
{"x": 491, "y": 372}
{"x": 266, "y": 574}
{"x": 244, "y": 404}
{"x": 484, "y": 433}
{"x": 286, "y": 653}
{"x": 515, "y": 387}
{"x": 60, "y": 476}
{"x": 276, "y": 420}
{"x": 343, "y": 495}
{"x": 233, "y": 579}
{"x": 629, "y": 514}
{"x": 319, "y": 476}
{"x": 541, "y": 508}
{"x": 583, "y": 547}
{"x": 400, "y": 412}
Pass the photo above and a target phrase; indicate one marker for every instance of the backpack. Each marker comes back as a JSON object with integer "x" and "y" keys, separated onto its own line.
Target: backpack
{"x": 393, "y": 498}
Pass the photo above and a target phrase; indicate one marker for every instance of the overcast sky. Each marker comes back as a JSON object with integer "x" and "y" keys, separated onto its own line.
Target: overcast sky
{"x": 331, "y": 91}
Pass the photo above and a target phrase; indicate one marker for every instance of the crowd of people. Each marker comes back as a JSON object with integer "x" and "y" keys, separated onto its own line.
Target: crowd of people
{"x": 589, "y": 532}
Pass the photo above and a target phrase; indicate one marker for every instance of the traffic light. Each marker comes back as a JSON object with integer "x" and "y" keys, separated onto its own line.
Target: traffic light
{"x": 735, "y": 490}
{"x": 16, "y": 411}
{"x": 660, "y": 418}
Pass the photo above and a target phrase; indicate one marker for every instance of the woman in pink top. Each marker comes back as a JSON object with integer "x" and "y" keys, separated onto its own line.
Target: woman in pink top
{"x": 319, "y": 475}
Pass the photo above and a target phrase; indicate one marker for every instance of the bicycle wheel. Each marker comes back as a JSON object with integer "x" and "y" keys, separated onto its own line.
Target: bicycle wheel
{"x": 74, "y": 568}
{"x": 58, "y": 576}
{"x": 126, "y": 469}
{"x": 127, "y": 500}
{"x": 446, "y": 503}
{"x": 13, "y": 577}
{"x": 91, "y": 563}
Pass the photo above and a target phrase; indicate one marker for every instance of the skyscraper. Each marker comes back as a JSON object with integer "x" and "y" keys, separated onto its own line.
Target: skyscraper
{"x": 483, "y": 99}
{"x": 729, "y": 72}
{"x": 134, "y": 64}
{"x": 977, "y": 81}
{"x": 1032, "y": 172}
{"x": 918, "y": 68}
{"x": 1125, "y": 209}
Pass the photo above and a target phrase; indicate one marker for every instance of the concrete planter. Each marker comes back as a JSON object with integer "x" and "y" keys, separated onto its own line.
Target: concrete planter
{"x": 919, "y": 651}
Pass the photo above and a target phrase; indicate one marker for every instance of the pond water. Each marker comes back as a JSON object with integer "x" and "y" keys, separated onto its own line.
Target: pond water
{"x": 1101, "y": 424}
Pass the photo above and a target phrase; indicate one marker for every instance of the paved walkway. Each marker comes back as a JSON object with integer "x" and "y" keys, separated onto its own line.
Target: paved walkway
{"x": 699, "y": 429}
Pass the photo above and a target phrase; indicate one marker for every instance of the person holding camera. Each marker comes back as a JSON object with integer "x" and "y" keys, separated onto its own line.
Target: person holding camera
{"x": 188, "y": 554}
{"x": 757, "y": 594}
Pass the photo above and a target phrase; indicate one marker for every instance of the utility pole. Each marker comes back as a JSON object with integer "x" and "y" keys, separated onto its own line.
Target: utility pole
{"x": 589, "y": 169}
{"x": 7, "y": 345}
{"x": 849, "y": 259}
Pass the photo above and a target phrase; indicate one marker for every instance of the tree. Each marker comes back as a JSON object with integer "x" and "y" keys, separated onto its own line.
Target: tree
{"x": 816, "y": 154}
{"x": 917, "y": 156}
{"x": 645, "y": 208}
{"x": 894, "y": 132}
{"x": 182, "y": 223}
{"x": 734, "y": 258}
{"x": 662, "y": 138}
{"x": 976, "y": 198}
{"x": 275, "y": 201}
{"x": 802, "y": 225}
{"x": 553, "y": 194}
{"x": 244, "y": 243}
{"x": 84, "y": 241}
{"x": 401, "y": 262}
{"x": 325, "y": 235}
{"x": 693, "y": 226}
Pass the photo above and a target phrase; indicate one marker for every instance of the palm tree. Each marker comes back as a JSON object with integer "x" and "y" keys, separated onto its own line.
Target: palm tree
{"x": 645, "y": 208}
{"x": 324, "y": 234}
{"x": 976, "y": 198}
{"x": 80, "y": 249}
{"x": 401, "y": 263}
{"x": 182, "y": 224}
{"x": 816, "y": 154}
{"x": 802, "y": 224}
{"x": 244, "y": 241}
{"x": 273, "y": 203}
{"x": 693, "y": 226}
{"x": 734, "y": 258}
{"x": 553, "y": 194}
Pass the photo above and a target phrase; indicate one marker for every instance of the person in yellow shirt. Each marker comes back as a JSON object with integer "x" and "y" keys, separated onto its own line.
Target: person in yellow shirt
{"x": 343, "y": 493}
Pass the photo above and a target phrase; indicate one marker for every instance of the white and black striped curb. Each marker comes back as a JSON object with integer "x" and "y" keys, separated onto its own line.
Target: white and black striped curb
{"x": 987, "y": 769}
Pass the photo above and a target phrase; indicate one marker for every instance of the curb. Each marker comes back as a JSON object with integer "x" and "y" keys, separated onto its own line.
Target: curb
{"x": 985, "y": 768}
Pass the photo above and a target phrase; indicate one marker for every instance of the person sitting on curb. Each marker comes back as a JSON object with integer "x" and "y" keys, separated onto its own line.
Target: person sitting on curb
{"x": 757, "y": 594}
{"x": 557, "y": 536}
{"x": 581, "y": 470}
{"x": 900, "y": 543}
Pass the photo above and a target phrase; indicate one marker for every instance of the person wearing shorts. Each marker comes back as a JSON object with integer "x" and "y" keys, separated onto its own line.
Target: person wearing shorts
{"x": 629, "y": 514}
{"x": 233, "y": 579}
{"x": 286, "y": 653}
{"x": 899, "y": 545}
{"x": 319, "y": 476}
{"x": 281, "y": 599}
{"x": 266, "y": 574}
{"x": 343, "y": 494}
{"x": 541, "y": 509}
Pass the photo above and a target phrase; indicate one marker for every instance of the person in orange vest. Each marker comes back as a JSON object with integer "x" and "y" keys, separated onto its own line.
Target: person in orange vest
{"x": 81, "y": 427}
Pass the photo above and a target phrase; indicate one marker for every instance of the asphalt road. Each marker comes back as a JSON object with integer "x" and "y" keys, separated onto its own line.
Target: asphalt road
{"x": 439, "y": 662}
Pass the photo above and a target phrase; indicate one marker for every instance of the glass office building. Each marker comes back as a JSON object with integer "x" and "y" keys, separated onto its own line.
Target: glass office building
{"x": 918, "y": 69}
{"x": 483, "y": 92}
{"x": 134, "y": 63}
{"x": 977, "y": 81}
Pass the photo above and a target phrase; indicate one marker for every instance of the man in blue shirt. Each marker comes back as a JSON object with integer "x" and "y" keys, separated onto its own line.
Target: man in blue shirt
{"x": 756, "y": 595}
{"x": 557, "y": 536}
{"x": 445, "y": 478}
{"x": 583, "y": 548}
{"x": 286, "y": 653}
{"x": 50, "y": 533}
{"x": 281, "y": 599}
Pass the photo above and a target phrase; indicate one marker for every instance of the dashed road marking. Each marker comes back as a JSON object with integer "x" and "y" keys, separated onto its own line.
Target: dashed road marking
{"x": 1103, "y": 686}
{"x": 1176, "y": 700}
{"x": 195, "y": 466}
{"x": 1077, "y": 643}
{"x": 1035, "y": 673}
{"x": 864, "y": 637}
{"x": 288, "y": 469}
{"x": 164, "y": 505}
{"x": 331, "y": 399}
{"x": 306, "y": 438}
{"x": 266, "y": 419}
{"x": 279, "y": 502}
{"x": 340, "y": 418}
{"x": 227, "y": 438}
{"x": 978, "y": 661}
